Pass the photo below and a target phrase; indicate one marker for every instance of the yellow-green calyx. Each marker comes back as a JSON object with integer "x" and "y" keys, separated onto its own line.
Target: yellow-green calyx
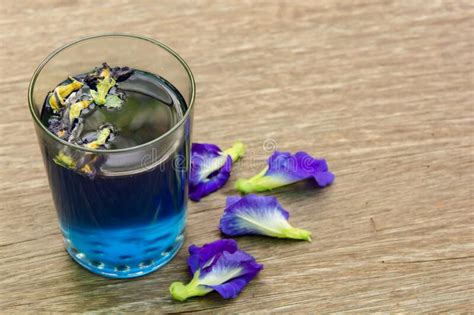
{"x": 64, "y": 160}
{"x": 58, "y": 96}
{"x": 236, "y": 151}
{"x": 76, "y": 108}
{"x": 102, "y": 137}
{"x": 67, "y": 161}
{"x": 295, "y": 233}
{"x": 258, "y": 183}
{"x": 181, "y": 292}
{"x": 103, "y": 87}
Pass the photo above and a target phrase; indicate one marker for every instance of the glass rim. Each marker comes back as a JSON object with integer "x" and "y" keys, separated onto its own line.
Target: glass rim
{"x": 43, "y": 63}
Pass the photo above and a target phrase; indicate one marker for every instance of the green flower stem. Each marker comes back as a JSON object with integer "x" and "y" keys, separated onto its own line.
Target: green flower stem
{"x": 182, "y": 292}
{"x": 297, "y": 234}
{"x": 236, "y": 151}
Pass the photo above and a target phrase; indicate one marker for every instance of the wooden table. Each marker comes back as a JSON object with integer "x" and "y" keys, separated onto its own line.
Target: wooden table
{"x": 382, "y": 89}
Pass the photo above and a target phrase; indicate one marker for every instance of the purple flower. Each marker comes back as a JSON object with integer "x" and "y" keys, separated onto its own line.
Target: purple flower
{"x": 284, "y": 169}
{"x": 211, "y": 167}
{"x": 258, "y": 215}
{"x": 219, "y": 266}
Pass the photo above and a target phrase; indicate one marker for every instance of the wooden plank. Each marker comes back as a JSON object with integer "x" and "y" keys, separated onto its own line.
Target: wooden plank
{"x": 382, "y": 89}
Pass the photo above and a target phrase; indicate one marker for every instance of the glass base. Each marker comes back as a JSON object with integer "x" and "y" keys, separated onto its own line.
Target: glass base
{"x": 125, "y": 271}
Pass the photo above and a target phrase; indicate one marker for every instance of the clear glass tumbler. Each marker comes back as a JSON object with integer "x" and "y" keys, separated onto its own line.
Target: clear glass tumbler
{"x": 129, "y": 218}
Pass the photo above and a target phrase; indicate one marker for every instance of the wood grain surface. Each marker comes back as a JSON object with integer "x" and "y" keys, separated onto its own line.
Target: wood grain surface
{"x": 382, "y": 89}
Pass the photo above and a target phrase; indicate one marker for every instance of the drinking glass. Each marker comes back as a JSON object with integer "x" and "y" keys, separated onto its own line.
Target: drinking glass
{"x": 128, "y": 219}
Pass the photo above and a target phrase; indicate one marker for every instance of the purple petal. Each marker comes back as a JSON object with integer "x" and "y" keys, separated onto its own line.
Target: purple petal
{"x": 231, "y": 200}
{"x": 202, "y": 156}
{"x": 254, "y": 215}
{"x": 254, "y": 202}
{"x": 231, "y": 273}
{"x": 324, "y": 178}
{"x": 212, "y": 184}
{"x": 292, "y": 168}
{"x": 205, "y": 149}
{"x": 210, "y": 170}
{"x": 202, "y": 256}
{"x": 231, "y": 289}
{"x": 219, "y": 266}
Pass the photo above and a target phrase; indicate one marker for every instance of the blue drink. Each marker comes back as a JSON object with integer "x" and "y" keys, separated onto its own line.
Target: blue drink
{"x": 116, "y": 148}
{"x": 121, "y": 226}
{"x": 122, "y": 212}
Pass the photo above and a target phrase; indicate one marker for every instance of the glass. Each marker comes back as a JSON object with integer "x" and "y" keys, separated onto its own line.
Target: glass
{"x": 129, "y": 219}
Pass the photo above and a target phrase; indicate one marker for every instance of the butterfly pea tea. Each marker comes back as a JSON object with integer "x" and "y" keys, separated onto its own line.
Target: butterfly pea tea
{"x": 116, "y": 152}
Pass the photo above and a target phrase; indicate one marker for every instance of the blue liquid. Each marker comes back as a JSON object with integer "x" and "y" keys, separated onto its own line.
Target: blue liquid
{"x": 123, "y": 226}
{"x": 117, "y": 223}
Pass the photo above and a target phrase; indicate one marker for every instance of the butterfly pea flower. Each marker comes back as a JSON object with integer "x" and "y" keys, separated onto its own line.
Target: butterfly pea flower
{"x": 121, "y": 73}
{"x": 60, "y": 93}
{"x": 103, "y": 87}
{"x": 86, "y": 165}
{"x": 56, "y": 126}
{"x": 105, "y": 71}
{"x": 218, "y": 266}
{"x": 104, "y": 135}
{"x": 211, "y": 167}
{"x": 89, "y": 164}
{"x": 64, "y": 160}
{"x": 258, "y": 215}
{"x": 76, "y": 109}
{"x": 283, "y": 169}
{"x": 118, "y": 74}
{"x": 103, "y": 79}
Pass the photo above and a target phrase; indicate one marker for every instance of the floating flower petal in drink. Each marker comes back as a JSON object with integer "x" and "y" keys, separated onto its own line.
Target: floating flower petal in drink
{"x": 76, "y": 109}
{"x": 103, "y": 87}
{"x": 103, "y": 135}
{"x": 58, "y": 96}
